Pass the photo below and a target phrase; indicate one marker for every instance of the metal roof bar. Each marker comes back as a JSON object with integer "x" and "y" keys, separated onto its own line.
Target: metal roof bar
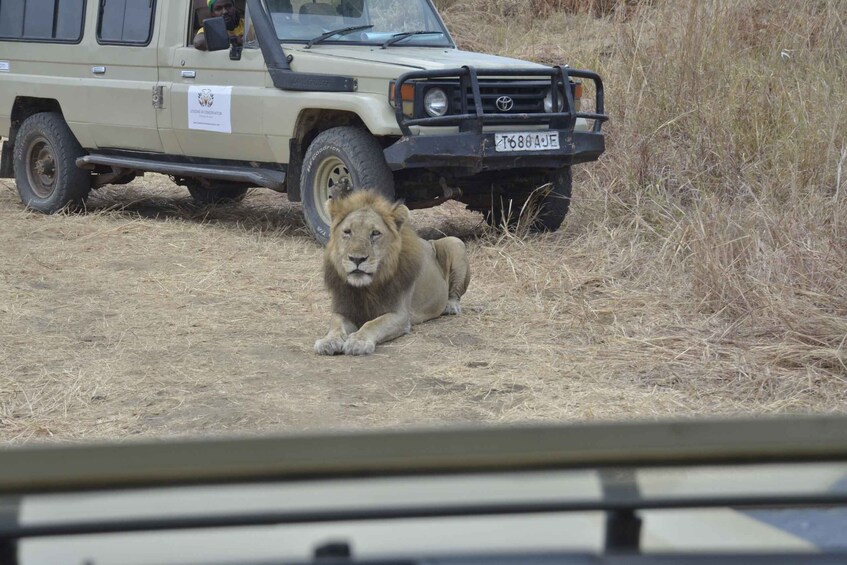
{"x": 64, "y": 468}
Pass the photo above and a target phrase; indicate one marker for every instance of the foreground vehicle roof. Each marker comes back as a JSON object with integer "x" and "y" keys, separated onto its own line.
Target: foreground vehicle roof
{"x": 531, "y": 493}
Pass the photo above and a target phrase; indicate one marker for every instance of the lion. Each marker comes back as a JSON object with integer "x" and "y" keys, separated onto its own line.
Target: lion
{"x": 382, "y": 277}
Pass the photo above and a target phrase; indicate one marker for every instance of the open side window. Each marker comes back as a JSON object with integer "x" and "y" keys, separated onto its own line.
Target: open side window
{"x": 200, "y": 12}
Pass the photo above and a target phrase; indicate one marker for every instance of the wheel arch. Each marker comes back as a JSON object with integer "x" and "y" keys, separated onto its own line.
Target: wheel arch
{"x": 26, "y": 106}
{"x": 311, "y": 122}
{"x": 23, "y": 107}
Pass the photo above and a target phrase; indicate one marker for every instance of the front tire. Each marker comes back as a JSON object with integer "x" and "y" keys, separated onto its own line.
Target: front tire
{"x": 338, "y": 156}
{"x": 45, "y": 157}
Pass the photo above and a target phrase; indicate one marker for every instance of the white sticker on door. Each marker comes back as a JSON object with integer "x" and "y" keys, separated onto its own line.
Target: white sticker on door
{"x": 209, "y": 108}
{"x": 4, "y": 66}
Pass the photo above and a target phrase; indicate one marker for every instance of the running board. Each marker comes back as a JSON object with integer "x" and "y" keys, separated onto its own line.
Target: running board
{"x": 268, "y": 178}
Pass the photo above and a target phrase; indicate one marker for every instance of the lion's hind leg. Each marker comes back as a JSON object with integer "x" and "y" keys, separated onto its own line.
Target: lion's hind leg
{"x": 453, "y": 258}
{"x": 453, "y": 307}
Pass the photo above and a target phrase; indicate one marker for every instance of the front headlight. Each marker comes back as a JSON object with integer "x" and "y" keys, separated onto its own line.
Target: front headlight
{"x": 435, "y": 102}
{"x": 548, "y": 101}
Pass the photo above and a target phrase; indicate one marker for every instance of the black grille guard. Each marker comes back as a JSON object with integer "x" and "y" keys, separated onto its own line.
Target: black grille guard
{"x": 469, "y": 81}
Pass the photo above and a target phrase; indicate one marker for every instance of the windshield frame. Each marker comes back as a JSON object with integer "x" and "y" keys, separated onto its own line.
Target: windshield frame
{"x": 445, "y": 41}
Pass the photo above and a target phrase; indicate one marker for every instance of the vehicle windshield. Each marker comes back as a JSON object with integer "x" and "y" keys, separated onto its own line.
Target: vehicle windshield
{"x": 398, "y": 22}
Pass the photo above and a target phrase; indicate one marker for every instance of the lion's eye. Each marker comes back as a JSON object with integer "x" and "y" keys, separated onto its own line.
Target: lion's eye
{"x": 348, "y": 231}
{"x": 376, "y": 233}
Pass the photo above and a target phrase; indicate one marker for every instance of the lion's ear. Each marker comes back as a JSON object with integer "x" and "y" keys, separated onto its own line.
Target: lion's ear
{"x": 337, "y": 193}
{"x": 340, "y": 190}
{"x": 401, "y": 214}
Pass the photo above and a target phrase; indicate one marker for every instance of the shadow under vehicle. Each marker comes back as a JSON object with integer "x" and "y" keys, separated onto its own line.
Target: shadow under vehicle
{"x": 691, "y": 492}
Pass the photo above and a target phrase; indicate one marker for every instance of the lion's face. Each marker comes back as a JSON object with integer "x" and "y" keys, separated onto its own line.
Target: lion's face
{"x": 365, "y": 239}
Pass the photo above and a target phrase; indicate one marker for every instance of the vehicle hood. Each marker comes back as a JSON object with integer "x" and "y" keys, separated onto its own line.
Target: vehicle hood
{"x": 414, "y": 58}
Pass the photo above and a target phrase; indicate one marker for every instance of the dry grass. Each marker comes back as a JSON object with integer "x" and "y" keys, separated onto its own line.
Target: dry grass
{"x": 722, "y": 189}
{"x": 700, "y": 271}
{"x": 535, "y": 9}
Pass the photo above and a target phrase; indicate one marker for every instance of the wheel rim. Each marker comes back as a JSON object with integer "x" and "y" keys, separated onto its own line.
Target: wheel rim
{"x": 331, "y": 172}
{"x": 41, "y": 167}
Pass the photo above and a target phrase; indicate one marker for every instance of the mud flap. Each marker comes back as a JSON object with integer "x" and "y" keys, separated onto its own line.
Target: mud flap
{"x": 7, "y": 169}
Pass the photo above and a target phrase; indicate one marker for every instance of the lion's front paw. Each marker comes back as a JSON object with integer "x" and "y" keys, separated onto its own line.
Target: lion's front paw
{"x": 358, "y": 346}
{"x": 329, "y": 346}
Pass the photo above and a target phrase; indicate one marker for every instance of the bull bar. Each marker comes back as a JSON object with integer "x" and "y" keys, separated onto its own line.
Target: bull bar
{"x": 474, "y": 149}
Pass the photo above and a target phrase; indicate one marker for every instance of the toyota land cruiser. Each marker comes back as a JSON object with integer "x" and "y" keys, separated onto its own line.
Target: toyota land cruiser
{"x": 371, "y": 93}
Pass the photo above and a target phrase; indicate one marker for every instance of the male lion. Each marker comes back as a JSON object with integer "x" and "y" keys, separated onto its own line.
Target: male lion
{"x": 383, "y": 277}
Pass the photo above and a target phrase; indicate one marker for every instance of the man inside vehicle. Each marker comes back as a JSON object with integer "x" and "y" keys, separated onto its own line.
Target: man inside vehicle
{"x": 234, "y": 22}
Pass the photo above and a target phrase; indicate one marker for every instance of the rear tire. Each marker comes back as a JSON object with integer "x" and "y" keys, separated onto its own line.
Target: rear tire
{"x": 543, "y": 210}
{"x": 340, "y": 155}
{"x": 45, "y": 157}
{"x": 554, "y": 204}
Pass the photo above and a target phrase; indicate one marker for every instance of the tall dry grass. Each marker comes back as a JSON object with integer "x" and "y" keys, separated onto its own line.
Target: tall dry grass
{"x": 723, "y": 186}
{"x": 545, "y": 8}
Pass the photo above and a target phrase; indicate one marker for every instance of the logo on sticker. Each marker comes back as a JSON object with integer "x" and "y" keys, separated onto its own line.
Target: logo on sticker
{"x": 209, "y": 108}
{"x": 206, "y": 98}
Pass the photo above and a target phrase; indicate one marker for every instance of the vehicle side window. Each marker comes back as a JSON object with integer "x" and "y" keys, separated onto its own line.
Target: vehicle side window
{"x": 42, "y": 20}
{"x": 126, "y": 21}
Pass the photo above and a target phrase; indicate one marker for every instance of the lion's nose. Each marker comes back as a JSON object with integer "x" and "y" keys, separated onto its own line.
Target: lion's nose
{"x": 357, "y": 260}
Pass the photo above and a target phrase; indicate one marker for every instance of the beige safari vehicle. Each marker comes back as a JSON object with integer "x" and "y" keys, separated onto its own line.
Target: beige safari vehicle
{"x": 369, "y": 93}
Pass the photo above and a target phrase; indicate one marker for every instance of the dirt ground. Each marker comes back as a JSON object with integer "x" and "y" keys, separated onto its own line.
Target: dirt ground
{"x": 148, "y": 316}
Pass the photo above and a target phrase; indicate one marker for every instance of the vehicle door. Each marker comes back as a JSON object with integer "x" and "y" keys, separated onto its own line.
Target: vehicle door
{"x": 123, "y": 75}
{"x": 216, "y": 106}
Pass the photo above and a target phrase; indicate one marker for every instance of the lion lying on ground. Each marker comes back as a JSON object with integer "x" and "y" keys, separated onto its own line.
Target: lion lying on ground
{"x": 383, "y": 277}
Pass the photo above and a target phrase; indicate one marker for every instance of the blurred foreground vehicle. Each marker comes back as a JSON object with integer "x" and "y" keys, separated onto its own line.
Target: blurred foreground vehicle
{"x": 763, "y": 491}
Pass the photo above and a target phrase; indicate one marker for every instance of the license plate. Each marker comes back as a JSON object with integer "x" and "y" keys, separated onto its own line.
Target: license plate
{"x": 528, "y": 141}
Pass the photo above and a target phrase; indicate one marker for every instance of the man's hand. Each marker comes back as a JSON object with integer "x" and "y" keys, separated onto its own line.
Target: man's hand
{"x": 200, "y": 42}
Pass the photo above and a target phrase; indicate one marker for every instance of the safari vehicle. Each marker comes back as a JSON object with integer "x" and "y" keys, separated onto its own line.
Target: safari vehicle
{"x": 738, "y": 492}
{"x": 371, "y": 93}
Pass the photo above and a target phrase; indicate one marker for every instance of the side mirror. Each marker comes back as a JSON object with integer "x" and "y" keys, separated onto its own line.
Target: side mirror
{"x": 217, "y": 37}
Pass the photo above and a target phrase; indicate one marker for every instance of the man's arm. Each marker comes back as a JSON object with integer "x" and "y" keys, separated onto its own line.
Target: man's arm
{"x": 200, "y": 41}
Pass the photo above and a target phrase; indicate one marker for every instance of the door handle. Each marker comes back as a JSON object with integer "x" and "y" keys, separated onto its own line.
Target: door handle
{"x": 98, "y": 70}
{"x": 188, "y": 74}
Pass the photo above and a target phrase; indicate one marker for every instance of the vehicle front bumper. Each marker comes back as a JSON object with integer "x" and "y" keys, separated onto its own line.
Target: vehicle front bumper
{"x": 476, "y": 152}
{"x": 472, "y": 148}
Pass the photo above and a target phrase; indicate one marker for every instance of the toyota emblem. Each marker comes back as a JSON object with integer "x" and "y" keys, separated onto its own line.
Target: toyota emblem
{"x": 505, "y": 103}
